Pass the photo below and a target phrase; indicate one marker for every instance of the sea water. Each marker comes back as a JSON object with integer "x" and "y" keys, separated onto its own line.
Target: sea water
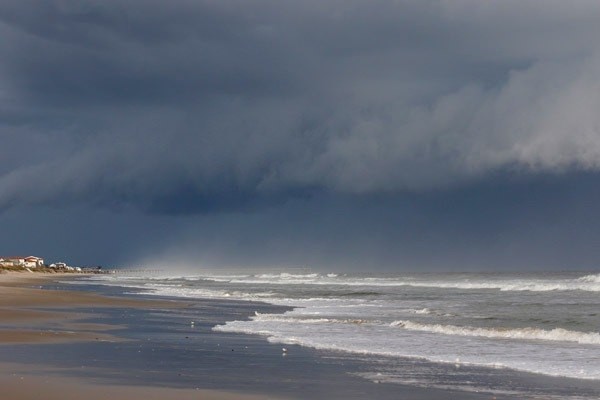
{"x": 546, "y": 323}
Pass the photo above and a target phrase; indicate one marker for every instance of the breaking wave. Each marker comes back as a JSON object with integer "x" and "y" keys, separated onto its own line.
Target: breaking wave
{"x": 585, "y": 283}
{"x": 557, "y": 334}
{"x": 590, "y": 278}
{"x": 517, "y": 286}
{"x": 293, "y": 320}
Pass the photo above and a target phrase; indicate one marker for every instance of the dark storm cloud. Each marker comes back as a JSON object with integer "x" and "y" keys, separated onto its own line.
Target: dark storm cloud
{"x": 195, "y": 106}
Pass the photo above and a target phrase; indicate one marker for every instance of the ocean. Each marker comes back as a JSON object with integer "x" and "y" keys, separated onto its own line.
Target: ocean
{"x": 481, "y": 329}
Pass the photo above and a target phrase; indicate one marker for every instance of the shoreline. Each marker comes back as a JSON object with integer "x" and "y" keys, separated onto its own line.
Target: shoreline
{"x": 55, "y": 315}
{"x": 32, "y": 316}
{"x": 152, "y": 347}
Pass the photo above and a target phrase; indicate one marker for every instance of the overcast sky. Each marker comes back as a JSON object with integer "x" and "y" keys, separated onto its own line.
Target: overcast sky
{"x": 342, "y": 135}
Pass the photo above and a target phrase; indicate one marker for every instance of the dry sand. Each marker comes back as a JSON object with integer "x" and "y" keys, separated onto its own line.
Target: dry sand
{"x": 30, "y": 315}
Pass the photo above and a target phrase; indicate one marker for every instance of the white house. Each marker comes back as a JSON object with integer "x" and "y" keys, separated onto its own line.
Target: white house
{"x": 33, "y": 262}
{"x": 13, "y": 261}
{"x": 21, "y": 261}
{"x": 58, "y": 265}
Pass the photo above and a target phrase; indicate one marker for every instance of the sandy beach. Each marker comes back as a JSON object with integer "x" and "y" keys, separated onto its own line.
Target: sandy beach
{"x": 54, "y": 314}
{"x": 33, "y": 316}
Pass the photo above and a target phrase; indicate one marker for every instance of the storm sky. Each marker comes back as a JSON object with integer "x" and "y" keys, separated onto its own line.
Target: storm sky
{"x": 337, "y": 135}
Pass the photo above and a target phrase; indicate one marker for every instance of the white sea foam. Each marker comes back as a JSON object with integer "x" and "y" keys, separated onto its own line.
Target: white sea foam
{"x": 197, "y": 293}
{"x": 421, "y": 311}
{"x": 514, "y": 285}
{"x": 369, "y": 339}
{"x": 585, "y": 283}
{"x": 304, "y": 320}
{"x": 590, "y": 278}
{"x": 557, "y": 334}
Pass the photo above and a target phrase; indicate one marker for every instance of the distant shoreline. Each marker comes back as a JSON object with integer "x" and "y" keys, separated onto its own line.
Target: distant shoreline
{"x": 41, "y": 270}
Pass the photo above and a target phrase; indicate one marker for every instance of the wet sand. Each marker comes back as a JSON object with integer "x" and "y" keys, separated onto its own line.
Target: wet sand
{"x": 54, "y": 314}
{"x": 23, "y": 385}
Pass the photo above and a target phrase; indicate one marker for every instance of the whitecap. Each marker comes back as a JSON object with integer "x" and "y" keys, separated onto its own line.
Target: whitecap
{"x": 557, "y": 334}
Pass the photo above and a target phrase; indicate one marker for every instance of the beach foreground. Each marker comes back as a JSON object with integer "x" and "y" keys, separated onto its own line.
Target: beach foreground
{"x": 33, "y": 316}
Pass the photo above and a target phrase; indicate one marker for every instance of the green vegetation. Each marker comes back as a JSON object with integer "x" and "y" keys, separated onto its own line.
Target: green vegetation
{"x": 43, "y": 269}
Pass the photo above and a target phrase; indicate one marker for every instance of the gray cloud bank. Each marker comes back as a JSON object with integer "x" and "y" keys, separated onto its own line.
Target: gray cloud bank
{"x": 196, "y": 106}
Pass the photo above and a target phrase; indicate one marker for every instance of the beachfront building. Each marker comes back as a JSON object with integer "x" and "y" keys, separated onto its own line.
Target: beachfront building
{"x": 61, "y": 266}
{"x": 13, "y": 261}
{"x": 21, "y": 261}
{"x": 34, "y": 262}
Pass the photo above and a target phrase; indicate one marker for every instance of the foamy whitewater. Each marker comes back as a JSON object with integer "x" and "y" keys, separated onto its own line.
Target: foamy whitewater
{"x": 547, "y": 323}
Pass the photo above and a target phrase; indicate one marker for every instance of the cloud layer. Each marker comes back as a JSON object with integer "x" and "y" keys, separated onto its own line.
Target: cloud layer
{"x": 197, "y": 106}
